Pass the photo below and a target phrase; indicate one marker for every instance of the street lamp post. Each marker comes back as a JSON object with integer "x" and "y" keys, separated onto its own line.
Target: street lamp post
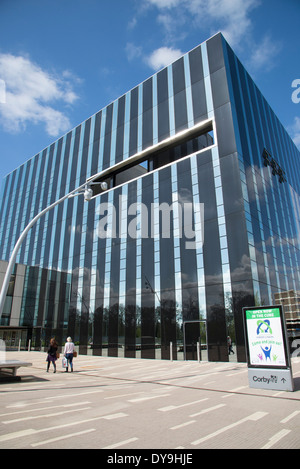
{"x": 84, "y": 189}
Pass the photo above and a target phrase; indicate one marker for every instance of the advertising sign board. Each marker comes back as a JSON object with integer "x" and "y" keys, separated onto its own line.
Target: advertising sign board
{"x": 267, "y": 349}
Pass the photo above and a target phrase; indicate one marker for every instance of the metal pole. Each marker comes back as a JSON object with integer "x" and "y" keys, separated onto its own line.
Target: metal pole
{"x": 184, "y": 351}
{"x": 171, "y": 351}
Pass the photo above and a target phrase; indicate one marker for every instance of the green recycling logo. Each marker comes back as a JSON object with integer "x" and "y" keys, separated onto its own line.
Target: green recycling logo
{"x": 263, "y": 326}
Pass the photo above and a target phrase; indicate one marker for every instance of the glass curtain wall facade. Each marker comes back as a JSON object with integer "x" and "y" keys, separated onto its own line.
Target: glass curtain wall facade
{"x": 197, "y": 134}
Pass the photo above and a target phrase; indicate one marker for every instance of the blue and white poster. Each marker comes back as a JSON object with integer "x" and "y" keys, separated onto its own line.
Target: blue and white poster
{"x": 266, "y": 346}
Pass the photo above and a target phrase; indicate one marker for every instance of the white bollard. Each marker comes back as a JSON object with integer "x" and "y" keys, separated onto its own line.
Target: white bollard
{"x": 198, "y": 352}
{"x": 2, "y": 351}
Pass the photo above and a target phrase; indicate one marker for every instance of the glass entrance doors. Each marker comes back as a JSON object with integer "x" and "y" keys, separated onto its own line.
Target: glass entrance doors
{"x": 195, "y": 340}
{"x": 14, "y": 338}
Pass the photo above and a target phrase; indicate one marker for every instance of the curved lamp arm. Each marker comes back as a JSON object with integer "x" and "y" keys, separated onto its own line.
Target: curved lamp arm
{"x": 83, "y": 189}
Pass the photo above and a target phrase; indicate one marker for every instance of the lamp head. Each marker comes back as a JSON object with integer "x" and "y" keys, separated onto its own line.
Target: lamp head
{"x": 88, "y": 194}
{"x": 104, "y": 186}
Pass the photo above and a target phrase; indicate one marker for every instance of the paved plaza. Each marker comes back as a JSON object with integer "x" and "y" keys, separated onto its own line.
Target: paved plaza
{"x": 130, "y": 404}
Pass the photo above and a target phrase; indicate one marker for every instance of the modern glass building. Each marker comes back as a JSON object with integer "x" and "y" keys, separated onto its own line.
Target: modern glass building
{"x": 201, "y": 217}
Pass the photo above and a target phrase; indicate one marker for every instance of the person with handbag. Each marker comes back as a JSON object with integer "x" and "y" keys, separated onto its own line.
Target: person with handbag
{"x": 52, "y": 354}
{"x": 69, "y": 353}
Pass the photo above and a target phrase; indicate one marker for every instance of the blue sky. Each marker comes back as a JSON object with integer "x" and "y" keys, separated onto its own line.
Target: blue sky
{"x": 63, "y": 60}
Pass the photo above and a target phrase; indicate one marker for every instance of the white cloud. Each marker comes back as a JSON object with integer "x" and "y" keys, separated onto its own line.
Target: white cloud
{"x": 164, "y": 3}
{"x": 132, "y": 51}
{"x": 2, "y": 91}
{"x": 162, "y": 57}
{"x": 264, "y": 54}
{"x": 295, "y": 131}
{"x": 31, "y": 93}
{"x": 231, "y": 17}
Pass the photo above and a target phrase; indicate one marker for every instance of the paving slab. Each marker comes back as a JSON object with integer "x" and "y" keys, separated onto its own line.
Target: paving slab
{"x": 118, "y": 404}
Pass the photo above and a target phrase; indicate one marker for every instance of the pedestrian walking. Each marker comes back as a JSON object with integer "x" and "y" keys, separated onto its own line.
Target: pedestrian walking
{"x": 69, "y": 353}
{"x": 229, "y": 343}
{"x": 52, "y": 354}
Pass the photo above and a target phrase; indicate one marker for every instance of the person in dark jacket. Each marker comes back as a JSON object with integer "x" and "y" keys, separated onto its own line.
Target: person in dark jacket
{"x": 51, "y": 357}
